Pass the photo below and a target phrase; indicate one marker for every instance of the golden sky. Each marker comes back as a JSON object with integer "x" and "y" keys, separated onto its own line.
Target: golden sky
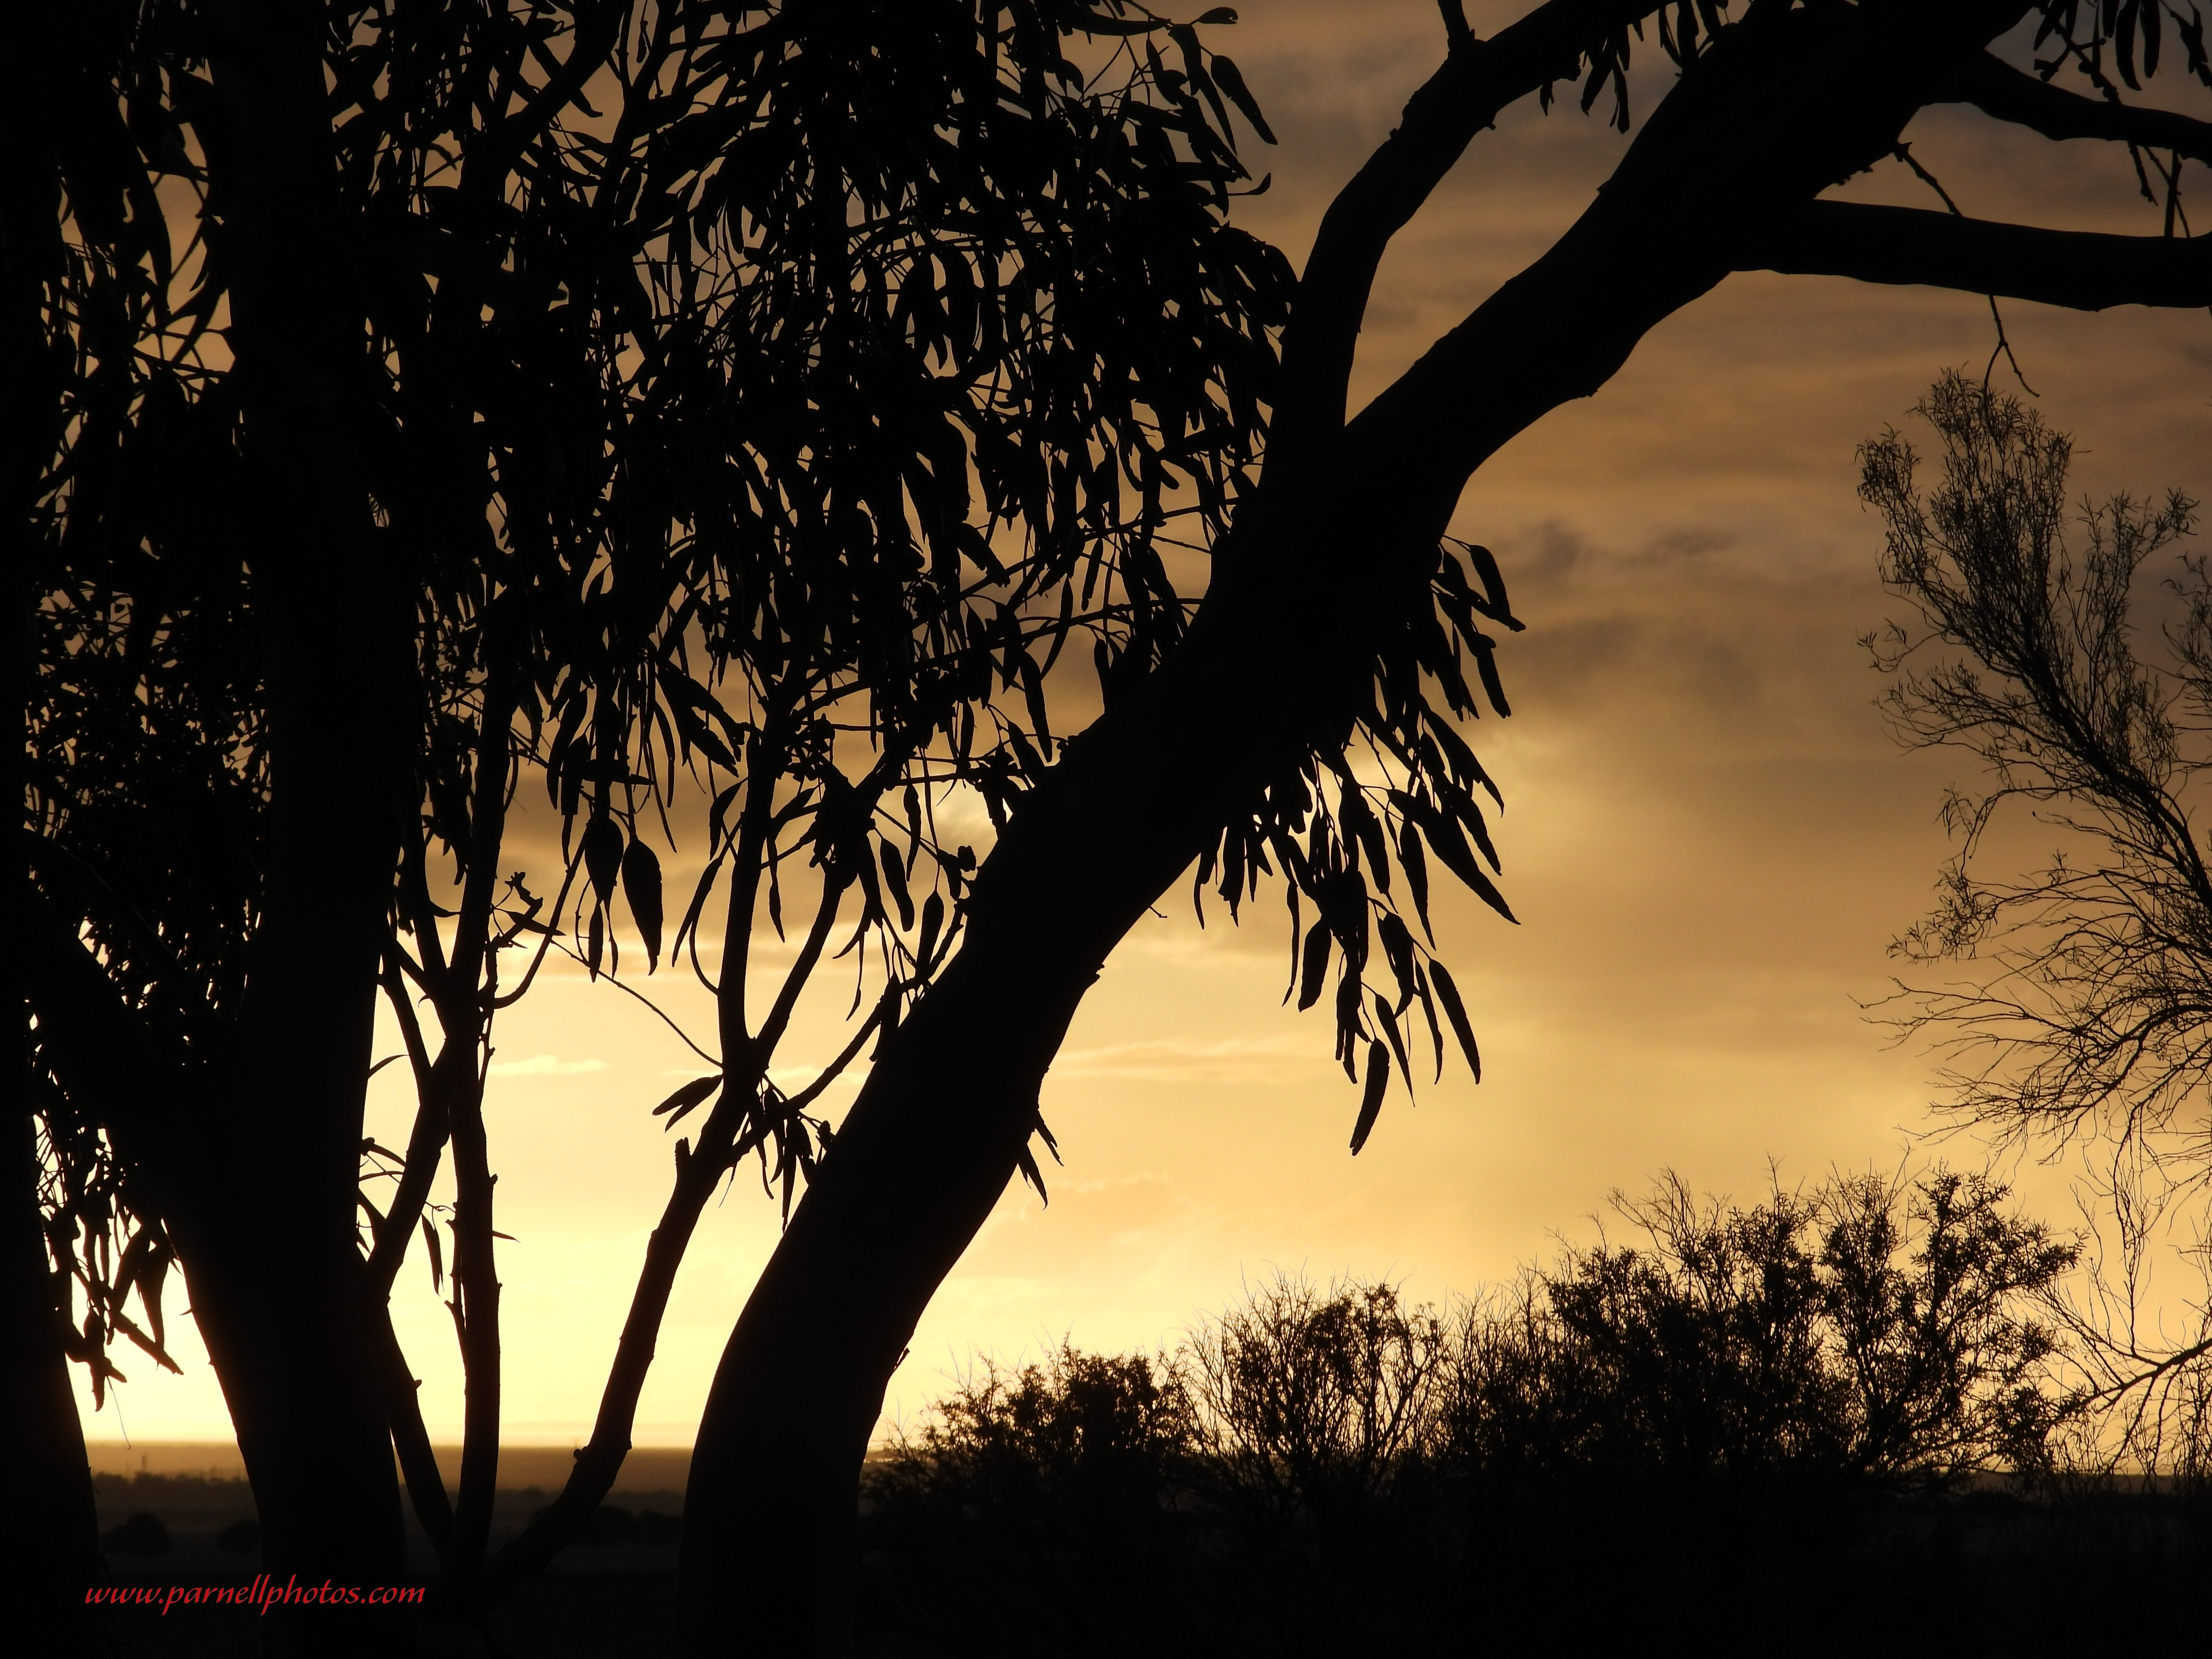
{"x": 1708, "y": 838}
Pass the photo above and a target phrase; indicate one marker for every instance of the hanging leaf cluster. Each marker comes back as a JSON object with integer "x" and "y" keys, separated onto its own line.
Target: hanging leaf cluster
{"x": 1357, "y": 829}
{"x": 144, "y": 768}
{"x": 957, "y": 350}
{"x": 99, "y": 1248}
{"x": 2126, "y": 38}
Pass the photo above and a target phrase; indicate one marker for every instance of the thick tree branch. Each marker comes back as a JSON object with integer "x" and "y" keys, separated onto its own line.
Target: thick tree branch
{"x": 1777, "y": 111}
{"x": 1996, "y": 88}
{"x": 1468, "y": 91}
{"x": 2080, "y": 269}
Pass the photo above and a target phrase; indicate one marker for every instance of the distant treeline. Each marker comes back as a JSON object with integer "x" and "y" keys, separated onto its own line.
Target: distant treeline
{"x": 1835, "y": 1415}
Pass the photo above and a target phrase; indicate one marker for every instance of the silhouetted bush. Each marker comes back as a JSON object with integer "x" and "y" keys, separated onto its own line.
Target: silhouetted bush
{"x": 1761, "y": 1409}
{"x": 609, "y": 1524}
{"x": 1037, "y": 1491}
{"x": 1316, "y": 1419}
{"x": 1763, "y": 1405}
{"x": 1315, "y": 1399}
{"x": 141, "y": 1535}
{"x": 1869, "y": 1335}
{"x": 239, "y": 1537}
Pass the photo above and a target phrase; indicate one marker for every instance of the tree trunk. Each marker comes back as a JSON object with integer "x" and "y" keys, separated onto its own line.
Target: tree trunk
{"x": 260, "y": 1210}
{"x": 283, "y": 1322}
{"x": 933, "y": 1138}
{"x": 251, "y": 1153}
{"x": 1336, "y": 545}
{"x": 272, "y": 1259}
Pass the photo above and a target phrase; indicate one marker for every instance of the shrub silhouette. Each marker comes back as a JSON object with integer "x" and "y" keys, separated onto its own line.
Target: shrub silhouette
{"x": 1871, "y": 1334}
{"x": 239, "y": 1537}
{"x": 1745, "y": 1407}
{"x": 1042, "y": 1489}
{"x": 1317, "y": 1413}
{"x": 609, "y": 1524}
{"x": 1761, "y": 1407}
{"x": 142, "y": 1534}
{"x": 655, "y": 1527}
{"x": 1312, "y": 1400}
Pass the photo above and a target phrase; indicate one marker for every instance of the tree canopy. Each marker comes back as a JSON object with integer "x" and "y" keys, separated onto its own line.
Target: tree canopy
{"x": 755, "y": 400}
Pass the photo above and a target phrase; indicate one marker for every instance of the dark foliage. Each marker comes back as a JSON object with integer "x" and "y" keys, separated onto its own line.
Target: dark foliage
{"x": 2086, "y": 1014}
{"x": 1867, "y": 1337}
{"x": 142, "y": 1534}
{"x": 697, "y": 444}
{"x": 1744, "y": 1407}
{"x": 1073, "y": 1474}
{"x": 609, "y": 1524}
{"x": 612, "y": 1524}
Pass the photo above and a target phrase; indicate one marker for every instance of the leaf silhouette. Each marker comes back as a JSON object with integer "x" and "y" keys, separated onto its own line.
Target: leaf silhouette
{"x": 603, "y": 855}
{"x": 685, "y": 1098}
{"x": 1230, "y": 80}
{"x": 1370, "y": 1100}
{"x": 641, "y": 880}
{"x": 1315, "y": 965}
{"x": 1456, "y": 1012}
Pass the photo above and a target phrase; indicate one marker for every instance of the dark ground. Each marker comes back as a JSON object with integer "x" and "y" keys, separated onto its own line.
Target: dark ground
{"x": 610, "y": 1597}
{"x": 1984, "y": 1574}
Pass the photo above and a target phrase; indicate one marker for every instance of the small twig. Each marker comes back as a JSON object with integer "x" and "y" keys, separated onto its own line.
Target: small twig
{"x": 2003, "y": 347}
{"x": 569, "y": 951}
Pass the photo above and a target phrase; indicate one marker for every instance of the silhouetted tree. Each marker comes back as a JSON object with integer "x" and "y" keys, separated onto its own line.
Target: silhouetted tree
{"x": 1322, "y": 631}
{"x": 607, "y": 392}
{"x": 2093, "y": 1019}
{"x": 1036, "y": 299}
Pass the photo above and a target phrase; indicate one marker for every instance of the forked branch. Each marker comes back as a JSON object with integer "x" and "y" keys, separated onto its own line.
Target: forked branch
{"x": 1468, "y": 91}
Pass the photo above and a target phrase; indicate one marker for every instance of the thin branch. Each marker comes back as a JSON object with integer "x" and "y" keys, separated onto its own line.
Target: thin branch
{"x": 418, "y": 1464}
{"x": 546, "y": 940}
{"x": 571, "y": 952}
{"x": 802, "y": 967}
{"x": 426, "y": 1141}
{"x": 2003, "y": 347}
